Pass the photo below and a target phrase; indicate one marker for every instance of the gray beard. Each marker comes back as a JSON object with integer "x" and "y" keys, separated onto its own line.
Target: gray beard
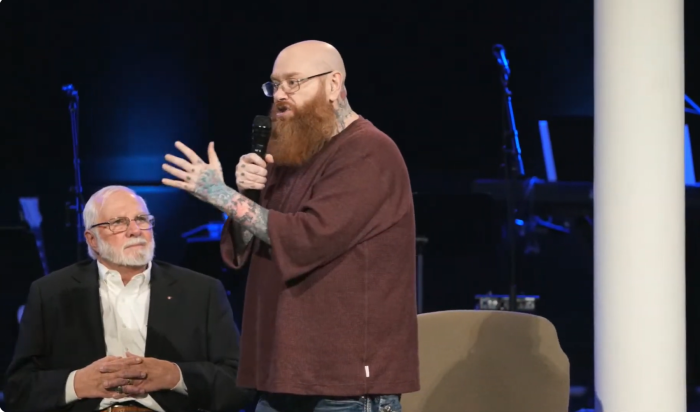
{"x": 120, "y": 258}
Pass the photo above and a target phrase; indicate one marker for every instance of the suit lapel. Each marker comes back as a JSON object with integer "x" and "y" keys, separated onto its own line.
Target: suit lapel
{"x": 159, "y": 310}
{"x": 89, "y": 292}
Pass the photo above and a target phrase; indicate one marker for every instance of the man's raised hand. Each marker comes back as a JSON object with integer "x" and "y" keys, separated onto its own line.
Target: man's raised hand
{"x": 201, "y": 179}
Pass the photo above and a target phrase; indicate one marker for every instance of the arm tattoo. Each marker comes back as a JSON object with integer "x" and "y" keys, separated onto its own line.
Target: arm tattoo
{"x": 241, "y": 238}
{"x": 249, "y": 215}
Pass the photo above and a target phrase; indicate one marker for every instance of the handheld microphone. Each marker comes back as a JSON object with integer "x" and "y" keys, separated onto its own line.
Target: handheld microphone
{"x": 262, "y": 127}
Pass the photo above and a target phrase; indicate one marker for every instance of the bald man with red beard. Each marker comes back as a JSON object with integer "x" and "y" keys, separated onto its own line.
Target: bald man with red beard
{"x": 330, "y": 311}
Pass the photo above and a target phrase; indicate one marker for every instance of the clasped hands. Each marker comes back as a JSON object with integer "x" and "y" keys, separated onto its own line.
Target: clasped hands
{"x": 132, "y": 376}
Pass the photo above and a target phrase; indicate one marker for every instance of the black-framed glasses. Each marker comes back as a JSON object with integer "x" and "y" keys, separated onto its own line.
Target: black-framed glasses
{"x": 121, "y": 224}
{"x": 289, "y": 85}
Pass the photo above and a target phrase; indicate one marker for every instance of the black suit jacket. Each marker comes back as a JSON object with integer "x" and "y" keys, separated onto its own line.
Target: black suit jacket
{"x": 189, "y": 322}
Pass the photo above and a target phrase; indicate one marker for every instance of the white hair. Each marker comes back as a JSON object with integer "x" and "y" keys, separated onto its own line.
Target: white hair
{"x": 93, "y": 206}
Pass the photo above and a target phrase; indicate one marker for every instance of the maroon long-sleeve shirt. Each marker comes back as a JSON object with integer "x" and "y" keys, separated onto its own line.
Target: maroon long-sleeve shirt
{"x": 330, "y": 307}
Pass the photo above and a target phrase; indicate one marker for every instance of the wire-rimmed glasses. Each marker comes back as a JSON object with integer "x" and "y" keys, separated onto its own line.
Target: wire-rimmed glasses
{"x": 121, "y": 224}
{"x": 289, "y": 85}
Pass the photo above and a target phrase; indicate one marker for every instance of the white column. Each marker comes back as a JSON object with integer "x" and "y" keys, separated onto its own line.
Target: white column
{"x": 640, "y": 352}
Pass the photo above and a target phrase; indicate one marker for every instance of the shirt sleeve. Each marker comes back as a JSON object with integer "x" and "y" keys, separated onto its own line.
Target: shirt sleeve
{"x": 180, "y": 387}
{"x": 361, "y": 193}
{"x": 70, "y": 388}
{"x": 231, "y": 256}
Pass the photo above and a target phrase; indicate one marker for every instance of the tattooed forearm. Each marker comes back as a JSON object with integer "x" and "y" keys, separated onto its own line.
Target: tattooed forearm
{"x": 249, "y": 215}
{"x": 241, "y": 238}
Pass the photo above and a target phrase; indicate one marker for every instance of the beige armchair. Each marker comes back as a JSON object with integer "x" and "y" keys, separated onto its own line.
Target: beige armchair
{"x": 489, "y": 361}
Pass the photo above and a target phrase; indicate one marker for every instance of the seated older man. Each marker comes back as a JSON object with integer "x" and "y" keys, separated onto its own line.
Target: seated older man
{"x": 122, "y": 332}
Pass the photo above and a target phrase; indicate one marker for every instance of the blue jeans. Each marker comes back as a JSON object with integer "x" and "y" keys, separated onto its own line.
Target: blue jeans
{"x": 296, "y": 403}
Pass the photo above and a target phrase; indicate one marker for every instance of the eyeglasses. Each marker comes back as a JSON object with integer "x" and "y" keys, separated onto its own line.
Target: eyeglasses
{"x": 121, "y": 224}
{"x": 288, "y": 86}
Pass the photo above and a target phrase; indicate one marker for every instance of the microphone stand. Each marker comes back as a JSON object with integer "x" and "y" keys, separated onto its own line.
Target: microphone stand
{"x": 77, "y": 189}
{"x": 513, "y": 170}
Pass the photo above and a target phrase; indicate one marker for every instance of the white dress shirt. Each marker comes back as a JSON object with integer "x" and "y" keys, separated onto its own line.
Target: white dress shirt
{"x": 125, "y": 319}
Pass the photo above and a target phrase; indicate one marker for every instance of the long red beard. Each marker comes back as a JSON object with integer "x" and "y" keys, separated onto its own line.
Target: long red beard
{"x": 297, "y": 139}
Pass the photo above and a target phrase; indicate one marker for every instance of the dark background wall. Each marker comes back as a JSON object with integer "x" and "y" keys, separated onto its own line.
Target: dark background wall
{"x": 153, "y": 72}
